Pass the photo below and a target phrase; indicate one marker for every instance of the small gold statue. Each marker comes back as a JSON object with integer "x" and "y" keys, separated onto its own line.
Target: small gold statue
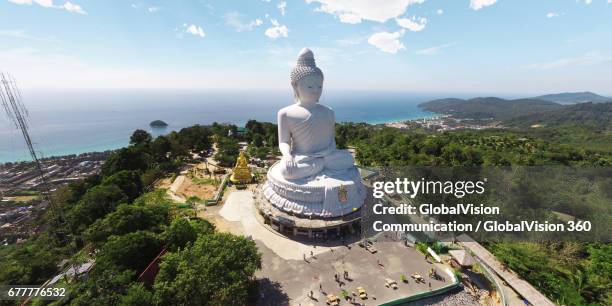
{"x": 241, "y": 173}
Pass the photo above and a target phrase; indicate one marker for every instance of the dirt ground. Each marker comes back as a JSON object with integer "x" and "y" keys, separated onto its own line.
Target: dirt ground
{"x": 211, "y": 214}
{"x": 203, "y": 191}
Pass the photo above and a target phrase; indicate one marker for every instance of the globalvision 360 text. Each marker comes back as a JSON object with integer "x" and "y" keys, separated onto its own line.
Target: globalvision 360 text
{"x": 487, "y": 226}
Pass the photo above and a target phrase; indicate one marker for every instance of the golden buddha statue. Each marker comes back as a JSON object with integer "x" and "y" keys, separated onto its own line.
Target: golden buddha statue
{"x": 241, "y": 173}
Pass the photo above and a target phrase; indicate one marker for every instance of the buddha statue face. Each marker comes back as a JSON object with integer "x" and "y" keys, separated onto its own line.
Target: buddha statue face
{"x": 309, "y": 88}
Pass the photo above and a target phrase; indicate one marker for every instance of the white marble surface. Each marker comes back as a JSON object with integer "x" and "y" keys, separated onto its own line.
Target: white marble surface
{"x": 317, "y": 195}
{"x": 314, "y": 177}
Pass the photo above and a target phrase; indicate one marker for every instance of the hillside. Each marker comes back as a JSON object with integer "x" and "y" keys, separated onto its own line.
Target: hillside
{"x": 596, "y": 115}
{"x": 489, "y": 108}
{"x": 524, "y": 113}
{"x": 574, "y": 97}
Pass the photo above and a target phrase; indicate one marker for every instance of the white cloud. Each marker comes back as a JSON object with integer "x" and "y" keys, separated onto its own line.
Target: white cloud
{"x": 234, "y": 20}
{"x": 590, "y": 58}
{"x": 479, "y": 4}
{"x": 277, "y": 30}
{"x": 552, "y": 15}
{"x": 44, "y": 3}
{"x": 74, "y": 8}
{"x": 440, "y": 11}
{"x": 153, "y": 9}
{"x": 282, "y": 7}
{"x": 68, "y": 6}
{"x": 20, "y": 2}
{"x": 22, "y": 34}
{"x": 35, "y": 68}
{"x": 349, "y": 18}
{"x": 434, "y": 50}
{"x": 590, "y": 1}
{"x": 415, "y": 24}
{"x": 387, "y": 41}
{"x": 194, "y": 30}
{"x": 352, "y": 11}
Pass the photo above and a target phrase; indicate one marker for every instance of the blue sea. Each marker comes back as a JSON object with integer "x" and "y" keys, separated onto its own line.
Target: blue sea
{"x": 76, "y": 121}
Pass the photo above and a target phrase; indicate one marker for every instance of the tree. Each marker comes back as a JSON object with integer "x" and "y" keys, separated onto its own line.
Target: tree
{"x": 228, "y": 150}
{"x": 254, "y": 127}
{"x": 140, "y": 137}
{"x": 258, "y": 140}
{"x": 150, "y": 176}
{"x": 218, "y": 269}
{"x": 127, "y": 219}
{"x": 31, "y": 262}
{"x": 95, "y": 204}
{"x": 128, "y": 181}
{"x": 222, "y": 130}
{"x": 132, "y": 251}
{"x": 181, "y": 232}
{"x": 125, "y": 159}
{"x": 261, "y": 152}
{"x": 137, "y": 295}
{"x": 160, "y": 148}
{"x": 102, "y": 287}
{"x": 195, "y": 138}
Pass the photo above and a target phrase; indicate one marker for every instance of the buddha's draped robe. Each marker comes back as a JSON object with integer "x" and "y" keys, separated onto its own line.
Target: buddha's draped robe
{"x": 314, "y": 147}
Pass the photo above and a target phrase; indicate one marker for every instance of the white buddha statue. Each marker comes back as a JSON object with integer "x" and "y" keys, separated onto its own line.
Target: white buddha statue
{"x": 306, "y": 129}
{"x": 313, "y": 178}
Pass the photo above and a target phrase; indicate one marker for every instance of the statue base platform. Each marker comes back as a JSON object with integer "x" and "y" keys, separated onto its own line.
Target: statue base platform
{"x": 329, "y": 194}
{"x": 294, "y": 226}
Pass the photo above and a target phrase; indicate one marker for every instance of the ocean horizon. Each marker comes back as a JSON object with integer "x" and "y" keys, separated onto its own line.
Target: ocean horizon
{"x": 64, "y": 122}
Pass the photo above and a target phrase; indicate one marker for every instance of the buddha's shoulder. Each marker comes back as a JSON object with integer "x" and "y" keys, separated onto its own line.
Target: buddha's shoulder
{"x": 325, "y": 108}
{"x": 328, "y": 111}
{"x": 294, "y": 109}
{"x": 285, "y": 110}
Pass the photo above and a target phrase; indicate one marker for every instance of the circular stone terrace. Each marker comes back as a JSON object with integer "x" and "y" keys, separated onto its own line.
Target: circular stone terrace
{"x": 298, "y": 226}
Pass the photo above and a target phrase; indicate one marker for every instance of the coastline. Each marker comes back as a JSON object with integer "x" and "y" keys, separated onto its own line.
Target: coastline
{"x": 118, "y": 143}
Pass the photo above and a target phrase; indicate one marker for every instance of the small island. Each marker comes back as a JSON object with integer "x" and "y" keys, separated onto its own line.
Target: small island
{"x": 158, "y": 124}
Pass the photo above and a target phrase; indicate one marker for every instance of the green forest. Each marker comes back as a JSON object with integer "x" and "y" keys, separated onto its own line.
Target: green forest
{"x": 568, "y": 272}
{"x": 118, "y": 219}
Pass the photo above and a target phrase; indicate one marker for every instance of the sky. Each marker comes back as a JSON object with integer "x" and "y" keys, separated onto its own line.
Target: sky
{"x": 509, "y": 47}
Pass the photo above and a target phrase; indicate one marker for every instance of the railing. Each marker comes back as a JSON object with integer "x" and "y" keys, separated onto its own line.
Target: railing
{"x": 426, "y": 294}
{"x": 491, "y": 276}
{"x": 219, "y": 193}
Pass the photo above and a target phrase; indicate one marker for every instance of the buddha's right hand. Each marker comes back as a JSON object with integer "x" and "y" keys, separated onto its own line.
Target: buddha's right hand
{"x": 289, "y": 163}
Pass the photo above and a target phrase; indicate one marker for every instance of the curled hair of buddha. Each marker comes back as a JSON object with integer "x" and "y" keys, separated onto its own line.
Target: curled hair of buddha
{"x": 304, "y": 66}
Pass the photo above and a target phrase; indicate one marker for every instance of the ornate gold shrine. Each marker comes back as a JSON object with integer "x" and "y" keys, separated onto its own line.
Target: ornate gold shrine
{"x": 241, "y": 173}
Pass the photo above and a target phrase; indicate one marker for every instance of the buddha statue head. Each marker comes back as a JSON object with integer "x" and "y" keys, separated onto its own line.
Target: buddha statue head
{"x": 306, "y": 79}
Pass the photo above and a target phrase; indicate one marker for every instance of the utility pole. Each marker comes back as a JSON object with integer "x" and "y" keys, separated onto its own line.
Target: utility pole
{"x": 15, "y": 110}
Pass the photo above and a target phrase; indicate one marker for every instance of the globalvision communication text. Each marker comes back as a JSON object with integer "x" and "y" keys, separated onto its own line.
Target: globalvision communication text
{"x": 438, "y": 216}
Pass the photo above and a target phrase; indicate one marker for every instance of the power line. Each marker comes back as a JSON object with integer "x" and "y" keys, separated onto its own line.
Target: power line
{"x": 15, "y": 110}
